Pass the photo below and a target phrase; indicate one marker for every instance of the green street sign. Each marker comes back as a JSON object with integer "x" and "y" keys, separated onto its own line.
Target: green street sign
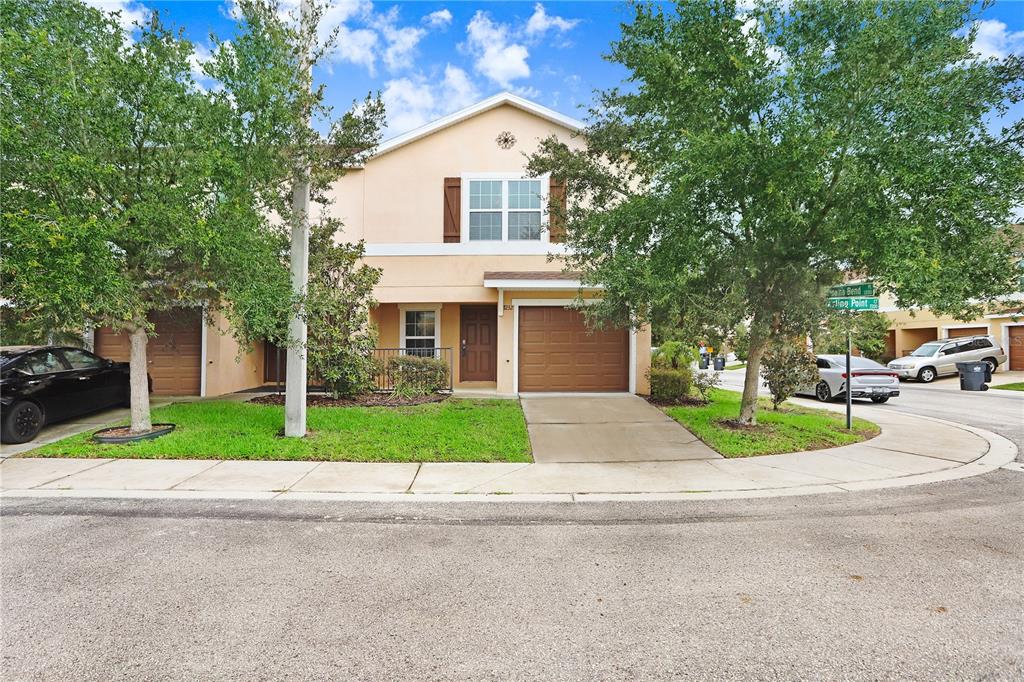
{"x": 854, "y": 303}
{"x": 844, "y": 290}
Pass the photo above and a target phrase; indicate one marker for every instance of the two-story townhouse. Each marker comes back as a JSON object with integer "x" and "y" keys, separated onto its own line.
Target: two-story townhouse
{"x": 471, "y": 268}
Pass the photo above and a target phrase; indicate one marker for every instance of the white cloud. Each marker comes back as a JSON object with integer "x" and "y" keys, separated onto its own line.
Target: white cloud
{"x": 410, "y": 102}
{"x": 540, "y": 22}
{"x": 497, "y": 56}
{"x": 132, "y": 12}
{"x": 401, "y": 41}
{"x": 355, "y": 46}
{"x": 994, "y": 40}
{"x": 439, "y": 19}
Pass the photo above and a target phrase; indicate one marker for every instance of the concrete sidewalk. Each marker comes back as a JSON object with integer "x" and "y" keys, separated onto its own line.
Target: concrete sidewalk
{"x": 910, "y": 450}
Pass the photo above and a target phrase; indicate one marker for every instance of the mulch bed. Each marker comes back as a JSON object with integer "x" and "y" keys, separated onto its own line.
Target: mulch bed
{"x": 366, "y": 400}
{"x": 678, "y": 402}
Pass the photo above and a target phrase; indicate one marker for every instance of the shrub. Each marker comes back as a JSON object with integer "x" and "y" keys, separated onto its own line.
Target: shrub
{"x": 674, "y": 354}
{"x": 414, "y": 375}
{"x": 787, "y": 367}
{"x": 705, "y": 381}
{"x": 670, "y": 385}
{"x": 337, "y": 306}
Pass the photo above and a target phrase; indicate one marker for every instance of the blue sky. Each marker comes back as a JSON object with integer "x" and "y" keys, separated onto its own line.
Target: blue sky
{"x": 431, "y": 58}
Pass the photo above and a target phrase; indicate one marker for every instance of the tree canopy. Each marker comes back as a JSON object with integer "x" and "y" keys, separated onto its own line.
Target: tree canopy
{"x": 754, "y": 156}
{"x": 129, "y": 187}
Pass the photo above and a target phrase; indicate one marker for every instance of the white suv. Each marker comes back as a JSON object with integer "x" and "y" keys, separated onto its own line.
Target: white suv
{"x": 937, "y": 358}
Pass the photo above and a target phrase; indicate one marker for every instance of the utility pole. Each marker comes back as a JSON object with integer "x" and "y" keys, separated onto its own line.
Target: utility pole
{"x": 295, "y": 379}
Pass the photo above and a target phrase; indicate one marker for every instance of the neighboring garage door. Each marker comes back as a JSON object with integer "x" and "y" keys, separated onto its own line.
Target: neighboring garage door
{"x": 174, "y": 354}
{"x": 1016, "y": 349}
{"x": 558, "y": 353}
{"x": 967, "y": 331}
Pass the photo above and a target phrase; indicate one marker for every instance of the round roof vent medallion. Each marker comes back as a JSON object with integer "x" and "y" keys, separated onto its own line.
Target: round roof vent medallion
{"x": 506, "y": 139}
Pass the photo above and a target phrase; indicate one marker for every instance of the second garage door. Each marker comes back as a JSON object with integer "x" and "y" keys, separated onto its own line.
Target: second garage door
{"x": 1016, "y": 349}
{"x": 174, "y": 354}
{"x": 959, "y": 332}
{"x": 558, "y": 353}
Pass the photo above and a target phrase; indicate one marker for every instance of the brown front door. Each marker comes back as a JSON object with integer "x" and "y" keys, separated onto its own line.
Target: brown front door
{"x": 558, "y": 353}
{"x": 1016, "y": 349}
{"x": 478, "y": 351}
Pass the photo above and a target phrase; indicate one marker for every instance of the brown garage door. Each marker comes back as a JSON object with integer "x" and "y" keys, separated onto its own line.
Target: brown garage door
{"x": 1016, "y": 349}
{"x": 558, "y": 353}
{"x": 174, "y": 354}
{"x": 966, "y": 331}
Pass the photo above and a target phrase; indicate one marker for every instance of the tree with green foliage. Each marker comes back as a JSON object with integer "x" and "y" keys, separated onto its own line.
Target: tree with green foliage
{"x": 337, "y": 307}
{"x": 868, "y": 332}
{"x": 128, "y": 188}
{"x": 788, "y": 367}
{"x": 754, "y": 156}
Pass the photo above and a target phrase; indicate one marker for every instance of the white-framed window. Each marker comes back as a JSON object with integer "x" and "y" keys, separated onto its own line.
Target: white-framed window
{"x": 420, "y": 330}
{"x": 503, "y": 208}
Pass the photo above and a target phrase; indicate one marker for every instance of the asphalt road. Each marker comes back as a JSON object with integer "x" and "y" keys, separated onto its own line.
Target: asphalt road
{"x": 919, "y": 583}
{"x": 995, "y": 410}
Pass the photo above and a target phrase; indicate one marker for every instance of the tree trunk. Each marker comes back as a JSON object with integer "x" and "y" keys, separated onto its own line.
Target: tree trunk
{"x": 752, "y": 379}
{"x": 139, "y": 382}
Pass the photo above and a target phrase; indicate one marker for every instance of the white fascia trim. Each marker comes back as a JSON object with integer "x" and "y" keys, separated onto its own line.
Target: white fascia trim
{"x": 517, "y": 302}
{"x": 489, "y": 248}
{"x": 472, "y": 110}
{"x": 535, "y": 284}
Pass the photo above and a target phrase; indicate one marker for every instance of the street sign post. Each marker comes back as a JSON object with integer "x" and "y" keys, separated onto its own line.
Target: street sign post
{"x": 844, "y": 290}
{"x": 854, "y": 303}
{"x": 851, "y": 298}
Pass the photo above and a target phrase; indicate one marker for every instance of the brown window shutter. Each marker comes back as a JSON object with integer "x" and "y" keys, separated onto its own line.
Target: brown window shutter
{"x": 452, "y": 210}
{"x": 556, "y": 216}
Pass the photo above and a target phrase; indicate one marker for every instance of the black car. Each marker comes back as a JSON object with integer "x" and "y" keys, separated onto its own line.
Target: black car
{"x": 45, "y": 384}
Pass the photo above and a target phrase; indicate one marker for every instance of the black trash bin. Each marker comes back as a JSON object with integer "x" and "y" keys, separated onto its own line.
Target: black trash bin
{"x": 974, "y": 375}
{"x": 719, "y": 364}
{"x": 703, "y": 362}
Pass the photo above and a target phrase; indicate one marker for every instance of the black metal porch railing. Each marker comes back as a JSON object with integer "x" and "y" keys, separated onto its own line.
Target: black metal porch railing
{"x": 385, "y": 380}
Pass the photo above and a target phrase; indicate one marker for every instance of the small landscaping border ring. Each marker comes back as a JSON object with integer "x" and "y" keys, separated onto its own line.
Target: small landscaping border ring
{"x": 158, "y": 430}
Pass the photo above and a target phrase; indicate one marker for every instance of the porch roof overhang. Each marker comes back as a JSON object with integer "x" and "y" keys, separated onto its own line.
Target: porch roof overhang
{"x": 535, "y": 280}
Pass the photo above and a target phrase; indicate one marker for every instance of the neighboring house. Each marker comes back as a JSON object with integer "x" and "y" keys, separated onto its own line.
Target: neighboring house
{"x": 912, "y": 329}
{"x": 471, "y": 268}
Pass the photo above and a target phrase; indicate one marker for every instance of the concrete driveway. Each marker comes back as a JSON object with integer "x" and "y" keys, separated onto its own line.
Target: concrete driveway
{"x": 606, "y": 428}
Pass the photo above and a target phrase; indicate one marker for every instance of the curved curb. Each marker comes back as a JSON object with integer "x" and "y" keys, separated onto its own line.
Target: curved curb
{"x": 1000, "y": 453}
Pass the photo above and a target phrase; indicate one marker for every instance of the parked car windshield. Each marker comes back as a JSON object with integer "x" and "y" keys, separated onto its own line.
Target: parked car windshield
{"x": 927, "y": 350}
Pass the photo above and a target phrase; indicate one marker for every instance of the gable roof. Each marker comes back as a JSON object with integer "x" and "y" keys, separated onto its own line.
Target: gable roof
{"x": 498, "y": 100}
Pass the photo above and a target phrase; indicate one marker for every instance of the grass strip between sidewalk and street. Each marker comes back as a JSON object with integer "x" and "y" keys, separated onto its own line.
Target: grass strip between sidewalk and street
{"x": 1017, "y": 386}
{"x": 790, "y": 429}
{"x": 455, "y": 430}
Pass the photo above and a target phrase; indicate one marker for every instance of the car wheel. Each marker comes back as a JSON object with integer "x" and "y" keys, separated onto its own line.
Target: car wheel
{"x": 822, "y": 392}
{"x": 992, "y": 365}
{"x": 880, "y": 399}
{"x": 926, "y": 375}
{"x": 22, "y": 423}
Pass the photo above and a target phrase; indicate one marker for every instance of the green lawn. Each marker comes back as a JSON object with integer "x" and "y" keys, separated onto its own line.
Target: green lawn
{"x": 1018, "y": 386}
{"x": 736, "y": 365}
{"x": 450, "y": 431}
{"x": 791, "y": 429}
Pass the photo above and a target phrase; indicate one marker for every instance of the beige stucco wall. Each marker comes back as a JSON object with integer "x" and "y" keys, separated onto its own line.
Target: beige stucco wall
{"x": 398, "y": 196}
{"x": 227, "y": 368}
{"x": 387, "y": 319}
{"x": 912, "y": 328}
